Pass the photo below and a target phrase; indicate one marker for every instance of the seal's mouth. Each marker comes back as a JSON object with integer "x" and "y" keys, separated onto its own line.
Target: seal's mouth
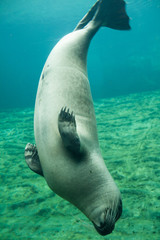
{"x": 104, "y": 229}
{"x": 108, "y": 219}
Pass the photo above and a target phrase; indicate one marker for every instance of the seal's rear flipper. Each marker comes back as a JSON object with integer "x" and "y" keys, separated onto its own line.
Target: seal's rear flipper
{"x": 32, "y": 158}
{"x": 112, "y": 14}
{"x": 88, "y": 17}
{"x": 67, "y": 130}
{"x": 108, "y": 13}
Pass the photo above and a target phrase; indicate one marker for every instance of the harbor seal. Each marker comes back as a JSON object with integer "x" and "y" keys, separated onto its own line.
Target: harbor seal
{"x": 67, "y": 151}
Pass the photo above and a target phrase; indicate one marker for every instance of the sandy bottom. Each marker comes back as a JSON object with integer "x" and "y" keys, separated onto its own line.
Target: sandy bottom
{"x": 129, "y": 135}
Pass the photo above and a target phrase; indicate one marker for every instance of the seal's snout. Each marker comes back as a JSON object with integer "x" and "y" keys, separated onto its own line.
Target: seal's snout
{"x": 106, "y": 224}
{"x": 107, "y": 220}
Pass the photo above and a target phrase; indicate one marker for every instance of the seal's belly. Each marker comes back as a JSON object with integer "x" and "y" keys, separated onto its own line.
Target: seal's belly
{"x": 60, "y": 87}
{"x": 65, "y": 86}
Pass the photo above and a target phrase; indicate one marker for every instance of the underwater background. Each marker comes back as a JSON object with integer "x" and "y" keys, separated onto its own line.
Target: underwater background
{"x": 124, "y": 73}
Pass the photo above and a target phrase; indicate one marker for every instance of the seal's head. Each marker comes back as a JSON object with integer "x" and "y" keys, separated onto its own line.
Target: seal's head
{"x": 106, "y": 218}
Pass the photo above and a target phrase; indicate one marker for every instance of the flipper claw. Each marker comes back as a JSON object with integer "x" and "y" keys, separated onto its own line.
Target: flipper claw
{"x": 32, "y": 158}
{"x": 67, "y": 130}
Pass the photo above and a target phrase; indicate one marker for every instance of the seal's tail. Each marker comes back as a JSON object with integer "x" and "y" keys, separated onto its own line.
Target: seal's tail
{"x": 108, "y": 13}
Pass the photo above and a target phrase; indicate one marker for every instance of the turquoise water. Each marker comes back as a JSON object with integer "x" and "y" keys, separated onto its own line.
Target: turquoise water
{"x": 119, "y": 62}
{"x": 128, "y": 128}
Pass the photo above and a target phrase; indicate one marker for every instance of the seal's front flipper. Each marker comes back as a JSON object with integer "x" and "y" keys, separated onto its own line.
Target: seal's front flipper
{"x": 67, "y": 130}
{"x": 32, "y": 158}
